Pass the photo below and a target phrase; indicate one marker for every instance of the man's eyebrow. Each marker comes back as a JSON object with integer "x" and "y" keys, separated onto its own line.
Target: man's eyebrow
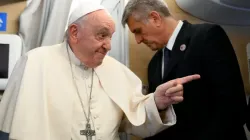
{"x": 104, "y": 29}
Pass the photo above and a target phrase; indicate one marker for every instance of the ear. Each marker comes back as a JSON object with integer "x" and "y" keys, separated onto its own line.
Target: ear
{"x": 73, "y": 31}
{"x": 155, "y": 17}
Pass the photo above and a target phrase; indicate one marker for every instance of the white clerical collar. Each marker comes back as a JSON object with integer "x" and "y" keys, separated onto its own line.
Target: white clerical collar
{"x": 73, "y": 57}
{"x": 174, "y": 36}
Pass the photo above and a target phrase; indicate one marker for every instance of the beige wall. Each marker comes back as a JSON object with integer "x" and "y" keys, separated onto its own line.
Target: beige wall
{"x": 239, "y": 37}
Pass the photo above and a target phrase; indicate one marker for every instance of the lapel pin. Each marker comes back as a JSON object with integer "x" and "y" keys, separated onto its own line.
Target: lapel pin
{"x": 183, "y": 47}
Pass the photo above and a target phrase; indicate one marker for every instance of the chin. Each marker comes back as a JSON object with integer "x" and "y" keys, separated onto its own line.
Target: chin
{"x": 154, "y": 49}
{"x": 95, "y": 64}
{"x": 98, "y": 63}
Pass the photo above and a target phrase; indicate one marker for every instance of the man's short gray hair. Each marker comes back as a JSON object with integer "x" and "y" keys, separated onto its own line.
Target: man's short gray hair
{"x": 140, "y": 9}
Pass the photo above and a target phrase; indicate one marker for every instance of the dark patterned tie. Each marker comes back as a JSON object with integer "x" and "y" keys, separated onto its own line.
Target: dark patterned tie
{"x": 166, "y": 59}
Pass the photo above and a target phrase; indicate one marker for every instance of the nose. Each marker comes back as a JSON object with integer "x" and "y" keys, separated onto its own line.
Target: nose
{"x": 138, "y": 39}
{"x": 107, "y": 44}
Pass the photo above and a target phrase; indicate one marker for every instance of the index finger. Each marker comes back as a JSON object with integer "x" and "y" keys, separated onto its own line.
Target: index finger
{"x": 187, "y": 79}
{"x": 177, "y": 81}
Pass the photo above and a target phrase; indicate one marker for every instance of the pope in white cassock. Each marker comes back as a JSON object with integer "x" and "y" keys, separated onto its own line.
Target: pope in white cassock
{"x": 73, "y": 91}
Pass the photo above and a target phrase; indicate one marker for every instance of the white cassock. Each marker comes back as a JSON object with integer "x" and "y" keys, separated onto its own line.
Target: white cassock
{"x": 41, "y": 101}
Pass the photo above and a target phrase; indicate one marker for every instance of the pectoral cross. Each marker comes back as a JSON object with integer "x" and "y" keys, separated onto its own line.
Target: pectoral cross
{"x": 88, "y": 132}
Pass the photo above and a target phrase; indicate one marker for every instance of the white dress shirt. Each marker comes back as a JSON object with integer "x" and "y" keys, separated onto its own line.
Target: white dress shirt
{"x": 171, "y": 43}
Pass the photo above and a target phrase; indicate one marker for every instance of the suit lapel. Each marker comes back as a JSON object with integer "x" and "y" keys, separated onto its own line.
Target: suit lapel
{"x": 177, "y": 53}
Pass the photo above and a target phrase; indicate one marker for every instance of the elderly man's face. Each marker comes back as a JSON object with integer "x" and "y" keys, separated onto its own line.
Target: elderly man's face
{"x": 146, "y": 32}
{"x": 94, "y": 39}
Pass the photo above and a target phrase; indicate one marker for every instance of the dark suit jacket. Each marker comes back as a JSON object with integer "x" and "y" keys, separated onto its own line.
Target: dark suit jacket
{"x": 214, "y": 107}
{"x": 248, "y": 115}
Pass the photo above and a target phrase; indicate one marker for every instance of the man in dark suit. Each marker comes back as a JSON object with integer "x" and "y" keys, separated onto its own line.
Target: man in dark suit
{"x": 214, "y": 107}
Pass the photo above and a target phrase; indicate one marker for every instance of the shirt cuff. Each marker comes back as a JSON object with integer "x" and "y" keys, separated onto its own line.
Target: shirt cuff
{"x": 166, "y": 117}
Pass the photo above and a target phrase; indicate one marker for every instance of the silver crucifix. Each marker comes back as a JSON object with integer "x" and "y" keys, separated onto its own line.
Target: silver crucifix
{"x": 88, "y": 132}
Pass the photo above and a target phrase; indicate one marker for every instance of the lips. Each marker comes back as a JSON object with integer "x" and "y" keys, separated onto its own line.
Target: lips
{"x": 148, "y": 43}
{"x": 103, "y": 53}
